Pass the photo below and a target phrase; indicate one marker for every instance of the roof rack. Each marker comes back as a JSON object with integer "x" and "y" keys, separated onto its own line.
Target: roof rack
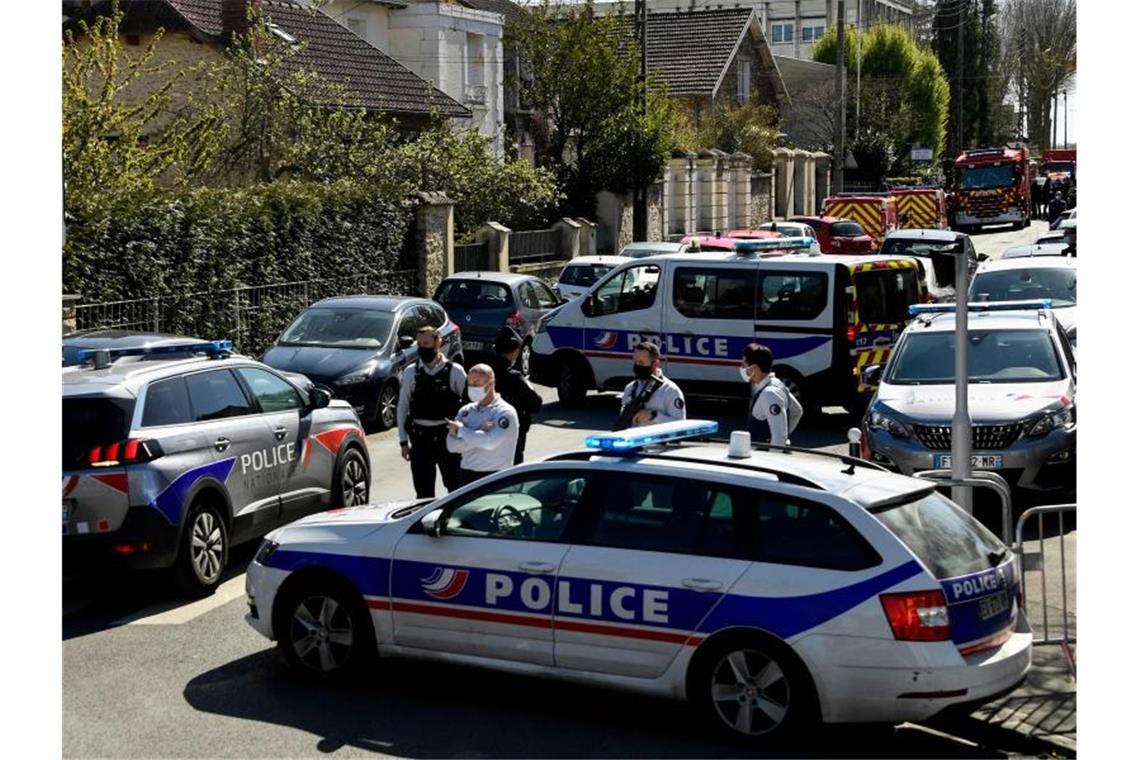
{"x": 102, "y": 357}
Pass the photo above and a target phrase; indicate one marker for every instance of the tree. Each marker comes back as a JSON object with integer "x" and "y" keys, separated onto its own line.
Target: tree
{"x": 582, "y": 73}
{"x": 1041, "y": 36}
{"x": 752, "y": 128}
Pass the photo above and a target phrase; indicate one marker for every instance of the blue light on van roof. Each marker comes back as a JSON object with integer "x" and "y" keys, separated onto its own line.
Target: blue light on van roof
{"x": 745, "y": 245}
{"x": 208, "y": 347}
{"x": 635, "y": 438}
{"x": 949, "y": 308}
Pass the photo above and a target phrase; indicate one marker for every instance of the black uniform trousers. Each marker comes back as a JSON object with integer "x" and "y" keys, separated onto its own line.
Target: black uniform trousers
{"x": 429, "y": 451}
{"x": 470, "y": 476}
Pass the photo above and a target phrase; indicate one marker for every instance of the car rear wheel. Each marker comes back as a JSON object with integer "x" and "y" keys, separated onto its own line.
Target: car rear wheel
{"x": 351, "y": 482}
{"x": 203, "y": 553}
{"x": 524, "y": 359}
{"x": 571, "y": 388}
{"x": 323, "y": 629}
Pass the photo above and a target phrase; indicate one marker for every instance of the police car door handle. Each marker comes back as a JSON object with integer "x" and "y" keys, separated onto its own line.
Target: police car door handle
{"x": 536, "y": 567}
{"x": 222, "y": 443}
{"x": 280, "y": 432}
{"x": 702, "y": 584}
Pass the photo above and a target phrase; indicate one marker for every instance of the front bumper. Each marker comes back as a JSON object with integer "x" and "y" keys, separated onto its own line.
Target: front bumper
{"x": 261, "y": 586}
{"x": 1033, "y": 463}
{"x": 142, "y": 525}
{"x": 1006, "y": 217}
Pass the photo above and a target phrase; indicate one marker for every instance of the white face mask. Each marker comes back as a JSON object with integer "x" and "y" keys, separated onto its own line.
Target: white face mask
{"x": 744, "y": 375}
{"x": 476, "y": 393}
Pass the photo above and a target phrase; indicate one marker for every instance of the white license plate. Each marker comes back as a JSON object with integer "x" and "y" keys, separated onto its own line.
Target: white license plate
{"x": 979, "y": 462}
{"x": 472, "y": 345}
{"x": 68, "y": 506}
{"x": 993, "y": 605}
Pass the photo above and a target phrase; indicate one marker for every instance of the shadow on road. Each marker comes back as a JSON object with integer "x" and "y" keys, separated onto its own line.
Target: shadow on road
{"x": 412, "y": 709}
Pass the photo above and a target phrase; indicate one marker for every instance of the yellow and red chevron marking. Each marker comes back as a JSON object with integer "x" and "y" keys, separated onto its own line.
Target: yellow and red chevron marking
{"x": 920, "y": 208}
{"x": 869, "y": 215}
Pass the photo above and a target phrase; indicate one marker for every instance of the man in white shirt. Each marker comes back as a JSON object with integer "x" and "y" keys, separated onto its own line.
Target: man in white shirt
{"x": 485, "y": 431}
{"x": 773, "y": 412}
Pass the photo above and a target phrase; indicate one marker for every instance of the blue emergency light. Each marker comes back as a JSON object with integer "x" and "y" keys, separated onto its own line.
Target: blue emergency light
{"x": 949, "y": 308}
{"x": 745, "y": 245}
{"x": 650, "y": 435}
{"x": 208, "y": 347}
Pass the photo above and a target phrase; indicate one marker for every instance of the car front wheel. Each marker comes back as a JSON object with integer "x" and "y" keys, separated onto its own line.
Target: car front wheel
{"x": 323, "y": 629}
{"x": 351, "y": 483}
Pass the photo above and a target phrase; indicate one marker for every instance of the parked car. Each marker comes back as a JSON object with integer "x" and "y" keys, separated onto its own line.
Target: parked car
{"x": 753, "y": 234}
{"x": 580, "y": 273}
{"x": 1054, "y": 248}
{"x": 357, "y": 346}
{"x": 144, "y": 343}
{"x": 482, "y": 302}
{"x": 837, "y": 235}
{"x": 1052, "y": 236}
{"x": 640, "y": 250}
{"x": 1018, "y": 279}
{"x": 705, "y": 243}
{"x": 1064, "y": 217}
{"x": 794, "y": 230}
{"x": 934, "y": 249}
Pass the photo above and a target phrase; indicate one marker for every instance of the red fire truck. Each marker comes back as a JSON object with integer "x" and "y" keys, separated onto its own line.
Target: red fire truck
{"x": 991, "y": 186}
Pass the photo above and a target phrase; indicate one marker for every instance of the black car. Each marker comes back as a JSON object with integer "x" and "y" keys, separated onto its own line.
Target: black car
{"x": 480, "y": 303}
{"x": 357, "y": 346}
{"x": 119, "y": 340}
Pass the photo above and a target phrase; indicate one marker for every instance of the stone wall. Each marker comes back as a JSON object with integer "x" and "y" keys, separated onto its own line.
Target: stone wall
{"x": 763, "y": 184}
{"x": 435, "y": 240}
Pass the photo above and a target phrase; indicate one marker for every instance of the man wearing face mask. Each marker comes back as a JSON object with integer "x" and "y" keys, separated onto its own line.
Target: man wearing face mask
{"x": 773, "y": 411}
{"x": 431, "y": 392}
{"x": 651, "y": 397}
{"x": 485, "y": 431}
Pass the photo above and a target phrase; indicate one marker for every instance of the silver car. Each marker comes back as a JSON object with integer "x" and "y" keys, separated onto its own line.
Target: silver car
{"x": 1052, "y": 277}
{"x": 1022, "y": 397}
{"x": 169, "y": 462}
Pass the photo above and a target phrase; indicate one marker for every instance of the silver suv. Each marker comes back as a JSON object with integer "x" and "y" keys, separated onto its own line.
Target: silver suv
{"x": 169, "y": 462}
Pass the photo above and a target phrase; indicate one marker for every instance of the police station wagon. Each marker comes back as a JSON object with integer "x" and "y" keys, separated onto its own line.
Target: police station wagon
{"x": 769, "y": 588}
{"x": 823, "y": 317}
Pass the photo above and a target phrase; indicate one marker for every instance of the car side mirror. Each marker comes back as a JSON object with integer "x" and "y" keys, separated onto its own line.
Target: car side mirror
{"x": 432, "y": 522}
{"x": 404, "y": 342}
{"x": 872, "y": 374}
{"x": 983, "y": 257}
{"x": 588, "y": 305}
{"x": 319, "y": 398}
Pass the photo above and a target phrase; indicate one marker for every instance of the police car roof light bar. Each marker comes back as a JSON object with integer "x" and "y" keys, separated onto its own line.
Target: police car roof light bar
{"x": 651, "y": 435}
{"x": 949, "y": 308}
{"x": 208, "y": 347}
{"x": 745, "y": 245}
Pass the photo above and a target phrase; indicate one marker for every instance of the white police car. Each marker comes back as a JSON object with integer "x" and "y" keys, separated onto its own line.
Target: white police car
{"x": 769, "y": 588}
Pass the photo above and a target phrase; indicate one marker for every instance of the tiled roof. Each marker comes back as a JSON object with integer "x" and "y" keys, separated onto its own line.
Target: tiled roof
{"x": 689, "y": 50}
{"x": 504, "y": 8}
{"x": 368, "y": 78}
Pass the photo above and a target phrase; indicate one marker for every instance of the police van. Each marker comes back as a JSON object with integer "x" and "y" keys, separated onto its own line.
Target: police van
{"x": 823, "y": 317}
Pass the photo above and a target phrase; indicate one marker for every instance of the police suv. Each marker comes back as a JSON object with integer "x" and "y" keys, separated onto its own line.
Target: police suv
{"x": 769, "y": 587}
{"x": 169, "y": 462}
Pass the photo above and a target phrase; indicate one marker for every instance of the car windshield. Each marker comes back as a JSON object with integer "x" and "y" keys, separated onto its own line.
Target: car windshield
{"x": 948, "y": 541}
{"x": 339, "y": 328}
{"x": 982, "y": 177}
{"x": 472, "y": 294}
{"x": 1020, "y": 284}
{"x": 995, "y": 356}
{"x": 846, "y": 229}
{"x": 583, "y": 275}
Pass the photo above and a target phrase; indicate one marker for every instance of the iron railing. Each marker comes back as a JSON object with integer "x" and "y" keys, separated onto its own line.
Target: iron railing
{"x": 532, "y": 246}
{"x": 250, "y": 316}
{"x": 475, "y": 257}
{"x": 1067, "y": 637}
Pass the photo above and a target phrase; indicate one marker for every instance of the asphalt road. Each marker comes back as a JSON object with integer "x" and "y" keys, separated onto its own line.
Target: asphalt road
{"x": 146, "y": 675}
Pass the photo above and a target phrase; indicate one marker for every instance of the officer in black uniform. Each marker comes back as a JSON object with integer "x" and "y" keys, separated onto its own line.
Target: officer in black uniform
{"x": 431, "y": 392}
{"x": 513, "y": 386}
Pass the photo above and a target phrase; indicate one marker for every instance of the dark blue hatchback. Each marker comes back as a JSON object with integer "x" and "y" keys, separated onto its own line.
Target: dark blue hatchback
{"x": 357, "y": 346}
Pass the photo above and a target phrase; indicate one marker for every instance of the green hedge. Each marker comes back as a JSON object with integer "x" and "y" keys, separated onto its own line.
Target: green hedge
{"x": 171, "y": 245}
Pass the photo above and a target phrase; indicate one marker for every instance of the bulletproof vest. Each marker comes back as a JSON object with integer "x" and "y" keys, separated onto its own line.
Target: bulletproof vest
{"x": 432, "y": 398}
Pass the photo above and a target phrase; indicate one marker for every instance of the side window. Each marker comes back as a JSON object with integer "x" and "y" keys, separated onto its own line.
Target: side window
{"x": 791, "y": 295}
{"x": 167, "y": 403}
{"x": 432, "y": 315}
{"x": 546, "y": 298}
{"x": 536, "y": 507}
{"x": 791, "y": 532}
{"x": 272, "y": 393}
{"x": 409, "y": 323}
{"x": 630, "y": 290}
{"x": 215, "y": 395}
{"x": 714, "y": 293}
{"x": 527, "y": 295}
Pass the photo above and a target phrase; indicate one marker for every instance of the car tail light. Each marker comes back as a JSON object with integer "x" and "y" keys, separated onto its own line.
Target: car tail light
{"x": 850, "y": 333}
{"x": 130, "y": 451}
{"x": 515, "y": 320}
{"x": 917, "y": 615}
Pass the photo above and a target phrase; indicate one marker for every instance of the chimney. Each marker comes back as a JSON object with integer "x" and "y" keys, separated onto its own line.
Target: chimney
{"x": 235, "y": 17}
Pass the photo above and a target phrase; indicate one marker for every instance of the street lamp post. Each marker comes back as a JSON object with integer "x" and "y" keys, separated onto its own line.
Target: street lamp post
{"x": 960, "y": 432}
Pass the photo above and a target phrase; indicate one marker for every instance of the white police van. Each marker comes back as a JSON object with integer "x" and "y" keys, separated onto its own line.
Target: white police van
{"x": 823, "y": 317}
{"x": 771, "y": 588}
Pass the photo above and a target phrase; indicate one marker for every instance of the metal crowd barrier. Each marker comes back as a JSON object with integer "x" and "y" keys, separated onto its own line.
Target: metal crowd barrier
{"x": 980, "y": 479}
{"x": 1066, "y": 639}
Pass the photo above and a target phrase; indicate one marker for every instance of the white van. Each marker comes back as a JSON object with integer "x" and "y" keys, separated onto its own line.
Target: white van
{"x": 824, "y": 317}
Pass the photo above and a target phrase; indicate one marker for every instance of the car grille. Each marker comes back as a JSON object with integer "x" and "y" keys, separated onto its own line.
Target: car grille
{"x": 985, "y": 437}
{"x": 987, "y": 205}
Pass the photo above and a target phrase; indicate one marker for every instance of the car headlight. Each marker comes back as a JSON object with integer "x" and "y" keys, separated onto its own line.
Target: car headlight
{"x": 265, "y": 551}
{"x": 879, "y": 421}
{"x": 362, "y": 375}
{"x": 1060, "y": 420}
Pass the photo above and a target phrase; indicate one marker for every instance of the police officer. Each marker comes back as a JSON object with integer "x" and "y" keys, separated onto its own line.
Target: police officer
{"x": 773, "y": 412}
{"x": 1056, "y": 206}
{"x": 513, "y": 386}
{"x": 431, "y": 392}
{"x": 650, "y": 397}
{"x": 485, "y": 431}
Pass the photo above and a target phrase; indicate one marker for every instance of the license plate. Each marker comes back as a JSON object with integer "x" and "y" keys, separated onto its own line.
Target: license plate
{"x": 993, "y": 605}
{"x": 68, "y": 508}
{"x": 980, "y": 462}
{"x": 472, "y": 345}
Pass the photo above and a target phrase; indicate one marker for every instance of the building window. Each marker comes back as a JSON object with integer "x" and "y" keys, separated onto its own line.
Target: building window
{"x": 357, "y": 26}
{"x": 743, "y": 80}
{"x": 474, "y": 60}
{"x": 783, "y": 31}
{"x": 811, "y": 29}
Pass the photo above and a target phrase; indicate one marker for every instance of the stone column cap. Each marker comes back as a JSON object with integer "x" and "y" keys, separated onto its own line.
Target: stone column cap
{"x": 434, "y": 197}
{"x": 495, "y": 226}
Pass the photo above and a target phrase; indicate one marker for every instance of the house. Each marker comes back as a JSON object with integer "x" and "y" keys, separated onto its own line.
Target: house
{"x": 199, "y": 31}
{"x": 457, "y": 46}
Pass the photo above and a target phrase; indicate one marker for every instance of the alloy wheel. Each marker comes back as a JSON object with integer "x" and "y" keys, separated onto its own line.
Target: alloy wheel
{"x": 750, "y": 692}
{"x": 207, "y": 546}
{"x": 388, "y": 399}
{"x": 354, "y": 483}
{"x": 321, "y": 633}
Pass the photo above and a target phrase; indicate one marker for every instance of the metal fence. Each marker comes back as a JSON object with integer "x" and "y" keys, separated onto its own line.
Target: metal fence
{"x": 532, "y": 246}
{"x": 250, "y": 316}
{"x": 475, "y": 257}
{"x": 1036, "y": 562}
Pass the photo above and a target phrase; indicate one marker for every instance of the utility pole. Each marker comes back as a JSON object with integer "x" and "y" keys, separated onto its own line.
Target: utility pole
{"x": 841, "y": 102}
{"x": 961, "y": 70}
{"x": 640, "y": 196}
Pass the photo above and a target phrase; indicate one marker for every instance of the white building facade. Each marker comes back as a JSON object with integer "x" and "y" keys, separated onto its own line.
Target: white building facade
{"x": 458, "y": 49}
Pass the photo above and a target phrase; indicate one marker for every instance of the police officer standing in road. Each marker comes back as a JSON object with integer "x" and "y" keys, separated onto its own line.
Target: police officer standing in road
{"x": 650, "y": 397}
{"x": 513, "y": 386}
{"x": 485, "y": 431}
{"x": 431, "y": 392}
{"x": 773, "y": 411}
